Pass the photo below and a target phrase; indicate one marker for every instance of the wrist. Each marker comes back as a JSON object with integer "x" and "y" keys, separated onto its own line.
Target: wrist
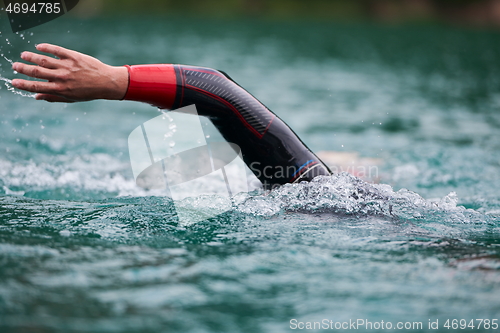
{"x": 117, "y": 86}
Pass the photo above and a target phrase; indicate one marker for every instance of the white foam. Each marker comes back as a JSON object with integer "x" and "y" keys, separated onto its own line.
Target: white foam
{"x": 341, "y": 194}
{"x": 345, "y": 194}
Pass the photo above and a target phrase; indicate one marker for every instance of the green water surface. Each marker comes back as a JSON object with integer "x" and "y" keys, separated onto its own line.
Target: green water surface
{"x": 83, "y": 249}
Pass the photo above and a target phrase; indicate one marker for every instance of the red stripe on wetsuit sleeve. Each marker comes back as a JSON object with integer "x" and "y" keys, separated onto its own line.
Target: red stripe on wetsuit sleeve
{"x": 153, "y": 84}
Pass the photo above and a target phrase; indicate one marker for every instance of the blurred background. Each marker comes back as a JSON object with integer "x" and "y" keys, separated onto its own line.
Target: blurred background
{"x": 470, "y": 12}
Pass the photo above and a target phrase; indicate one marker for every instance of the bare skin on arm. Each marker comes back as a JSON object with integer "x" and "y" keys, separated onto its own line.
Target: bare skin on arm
{"x": 71, "y": 77}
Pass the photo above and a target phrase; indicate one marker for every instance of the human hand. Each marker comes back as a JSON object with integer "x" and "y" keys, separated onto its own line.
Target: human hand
{"x": 71, "y": 77}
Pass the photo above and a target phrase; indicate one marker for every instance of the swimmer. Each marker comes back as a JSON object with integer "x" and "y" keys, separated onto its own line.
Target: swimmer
{"x": 270, "y": 148}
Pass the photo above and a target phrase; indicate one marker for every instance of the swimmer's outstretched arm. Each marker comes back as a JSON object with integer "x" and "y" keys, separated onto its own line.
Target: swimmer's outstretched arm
{"x": 269, "y": 147}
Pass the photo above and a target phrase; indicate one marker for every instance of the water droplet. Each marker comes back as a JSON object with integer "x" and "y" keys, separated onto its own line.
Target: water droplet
{"x": 171, "y": 144}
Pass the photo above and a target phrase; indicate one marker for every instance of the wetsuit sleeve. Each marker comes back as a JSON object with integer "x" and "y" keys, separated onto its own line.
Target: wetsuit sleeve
{"x": 273, "y": 152}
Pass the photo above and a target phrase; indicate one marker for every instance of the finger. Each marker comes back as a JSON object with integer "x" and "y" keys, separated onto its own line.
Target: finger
{"x": 35, "y": 71}
{"x": 40, "y": 60}
{"x": 58, "y": 51}
{"x": 35, "y": 86}
{"x": 52, "y": 98}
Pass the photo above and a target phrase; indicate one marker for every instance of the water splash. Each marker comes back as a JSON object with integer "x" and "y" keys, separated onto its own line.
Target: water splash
{"x": 339, "y": 194}
{"x": 10, "y": 87}
{"x": 9, "y": 60}
{"x": 8, "y": 82}
{"x": 344, "y": 194}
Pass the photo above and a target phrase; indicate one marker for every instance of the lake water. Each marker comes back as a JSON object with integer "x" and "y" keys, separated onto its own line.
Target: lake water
{"x": 83, "y": 249}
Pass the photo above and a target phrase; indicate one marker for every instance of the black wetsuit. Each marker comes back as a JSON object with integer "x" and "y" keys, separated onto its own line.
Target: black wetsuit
{"x": 272, "y": 151}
